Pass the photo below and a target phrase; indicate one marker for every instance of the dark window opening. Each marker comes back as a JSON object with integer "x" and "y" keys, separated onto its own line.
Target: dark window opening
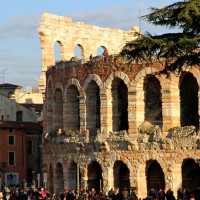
{"x": 11, "y": 158}
{"x": 19, "y": 116}
{"x": 11, "y": 139}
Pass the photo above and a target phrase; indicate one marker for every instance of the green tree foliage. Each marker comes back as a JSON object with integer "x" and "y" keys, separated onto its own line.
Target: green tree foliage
{"x": 174, "y": 49}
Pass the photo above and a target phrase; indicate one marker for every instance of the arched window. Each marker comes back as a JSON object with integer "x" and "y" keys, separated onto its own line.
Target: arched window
{"x": 100, "y": 50}
{"x": 95, "y": 179}
{"x": 119, "y": 105}
{"x": 59, "y": 181}
{"x": 58, "y": 51}
{"x": 72, "y": 108}
{"x": 189, "y": 100}
{"x": 190, "y": 174}
{"x": 79, "y": 52}
{"x": 71, "y": 176}
{"x": 121, "y": 175}
{"x": 92, "y": 106}
{"x": 58, "y": 109}
{"x": 155, "y": 176}
{"x": 153, "y": 100}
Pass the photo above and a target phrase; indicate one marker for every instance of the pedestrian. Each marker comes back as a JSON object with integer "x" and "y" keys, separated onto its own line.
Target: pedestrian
{"x": 105, "y": 55}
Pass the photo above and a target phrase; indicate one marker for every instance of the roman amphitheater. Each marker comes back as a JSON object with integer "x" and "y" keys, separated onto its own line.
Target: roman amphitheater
{"x": 125, "y": 125}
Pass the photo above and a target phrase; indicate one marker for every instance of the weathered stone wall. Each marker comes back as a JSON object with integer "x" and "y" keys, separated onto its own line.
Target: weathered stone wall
{"x": 60, "y": 29}
{"x": 168, "y": 144}
{"x": 135, "y": 124}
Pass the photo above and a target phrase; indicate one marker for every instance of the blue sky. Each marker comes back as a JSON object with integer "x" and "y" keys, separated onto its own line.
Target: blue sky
{"x": 20, "y": 49}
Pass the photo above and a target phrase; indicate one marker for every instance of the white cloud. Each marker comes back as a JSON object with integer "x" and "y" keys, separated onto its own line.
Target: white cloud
{"x": 21, "y": 27}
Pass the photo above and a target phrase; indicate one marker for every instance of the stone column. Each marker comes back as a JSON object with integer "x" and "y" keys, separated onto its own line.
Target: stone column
{"x": 170, "y": 105}
{"x": 175, "y": 179}
{"x": 132, "y": 113}
{"x": 108, "y": 180}
{"x": 82, "y": 112}
{"x": 84, "y": 176}
{"x": 106, "y": 111}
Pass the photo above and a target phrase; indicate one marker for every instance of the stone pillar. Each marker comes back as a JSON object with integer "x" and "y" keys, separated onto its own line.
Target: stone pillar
{"x": 132, "y": 113}
{"x": 175, "y": 179}
{"x": 170, "y": 105}
{"x": 108, "y": 180}
{"x": 45, "y": 119}
{"x": 106, "y": 111}
{"x": 84, "y": 176}
{"x": 139, "y": 106}
{"x": 82, "y": 110}
{"x": 64, "y": 114}
{"x": 142, "y": 182}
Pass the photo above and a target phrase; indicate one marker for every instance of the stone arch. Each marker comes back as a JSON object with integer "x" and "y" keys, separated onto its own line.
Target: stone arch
{"x": 93, "y": 105}
{"x": 190, "y": 174}
{"x": 189, "y": 100}
{"x": 153, "y": 100}
{"x": 102, "y": 44}
{"x": 72, "y": 105}
{"x": 59, "y": 179}
{"x": 141, "y": 172}
{"x": 58, "y": 107}
{"x": 59, "y": 85}
{"x": 81, "y": 50}
{"x": 95, "y": 179}
{"x": 72, "y": 81}
{"x": 118, "y": 74}
{"x": 92, "y": 77}
{"x": 71, "y": 175}
{"x": 155, "y": 176}
{"x": 139, "y": 99}
{"x": 61, "y": 50}
{"x": 121, "y": 174}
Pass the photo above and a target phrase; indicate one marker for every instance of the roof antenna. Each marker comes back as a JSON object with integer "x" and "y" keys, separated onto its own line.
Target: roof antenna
{"x": 3, "y": 73}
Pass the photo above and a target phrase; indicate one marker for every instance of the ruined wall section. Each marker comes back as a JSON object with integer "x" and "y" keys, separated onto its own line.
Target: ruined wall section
{"x": 60, "y": 29}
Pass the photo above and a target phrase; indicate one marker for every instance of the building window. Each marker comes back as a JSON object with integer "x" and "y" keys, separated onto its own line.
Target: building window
{"x": 11, "y": 160}
{"x": 2, "y": 117}
{"x": 19, "y": 116}
{"x": 30, "y": 147}
{"x": 11, "y": 139}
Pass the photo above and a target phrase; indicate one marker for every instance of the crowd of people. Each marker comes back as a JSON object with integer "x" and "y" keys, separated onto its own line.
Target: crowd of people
{"x": 86, "y": 194}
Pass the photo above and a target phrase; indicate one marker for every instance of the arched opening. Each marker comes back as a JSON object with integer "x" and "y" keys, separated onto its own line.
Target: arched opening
{"x": 59, "y": 181}
{"x": 189, "y": 100}
{"x": 71, "y": 176}
{"x": 100, "y": 50}
{"x": 119, "y": 105}
{"x": 95, "y": 179}
{"x": 93, "y": 106}
{"x": 51, "y": 180}
{"x": 153, "y": 100}
{"x": 190, "y": 174}
{"x": 121, "y": 176}
{"x": 155, "y": 176}
{"x": 58, "y": 110}
{"x": 79, "y": 52}
{"x": 58, "y": 49}
{"x": 49, "y": 107}
{"x": 72, "y": 108}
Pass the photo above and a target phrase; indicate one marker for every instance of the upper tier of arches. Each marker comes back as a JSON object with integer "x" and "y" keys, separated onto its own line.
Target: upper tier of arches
{"x": 119, "y": 103}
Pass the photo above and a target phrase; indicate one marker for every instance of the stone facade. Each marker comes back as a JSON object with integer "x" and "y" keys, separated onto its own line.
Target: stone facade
{"x": 128, "y": 125}
{"x": 67, "y": 34}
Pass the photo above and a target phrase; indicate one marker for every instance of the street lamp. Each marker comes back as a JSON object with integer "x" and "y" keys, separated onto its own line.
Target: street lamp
{"x": 77, "y": 161}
